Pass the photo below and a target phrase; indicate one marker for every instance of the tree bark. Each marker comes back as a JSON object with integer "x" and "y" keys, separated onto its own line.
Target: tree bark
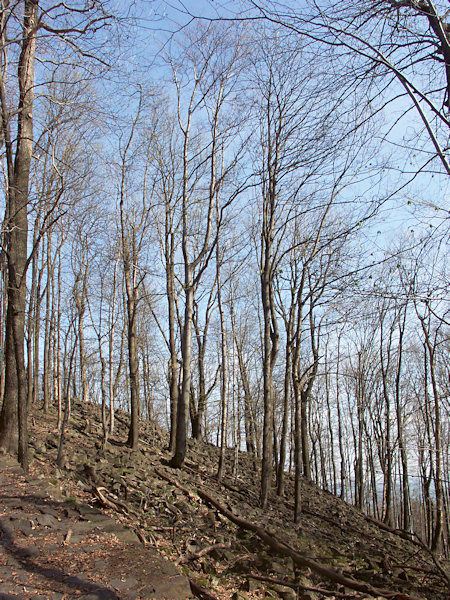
{"x": 14, "y": 409}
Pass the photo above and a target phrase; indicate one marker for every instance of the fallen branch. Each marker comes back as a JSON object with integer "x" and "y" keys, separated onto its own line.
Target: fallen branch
{"x": 296, "y": 586}
{"x": 143, "y": 538}
{"x": 172, "y": 481}
{"x": 200, "y": 591}
{"x": 299, "y": 559}
{"x": 273, "y": 580}
{"x": 405, "y": 535}
{"x": 112, "y": 503}
{"x": 196, "y": 555}
{"x": 344, "y": 530}
{"x": 414, "y": 539}
{"x": 68, "y": 537}
{"x": 443, "y": 573}
{"x": 117, "y": 505}
{"x": 284, "y": 549}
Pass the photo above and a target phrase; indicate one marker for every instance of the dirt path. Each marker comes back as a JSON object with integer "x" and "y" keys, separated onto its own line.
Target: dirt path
{"x": 52, "y": 549}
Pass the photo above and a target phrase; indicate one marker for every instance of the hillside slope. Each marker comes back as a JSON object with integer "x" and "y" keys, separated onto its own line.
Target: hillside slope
{"x": 217, "y": 533}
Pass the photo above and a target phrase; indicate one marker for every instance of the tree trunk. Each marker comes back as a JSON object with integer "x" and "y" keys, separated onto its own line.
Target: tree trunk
{"x": 14, "y": 409}
{"x": 406, "y": 496}
{"x": 269, "y": 351}
{"x": 270, "y": 339}
{"x": 186, "y": 340}
{"x": 133, "y": 363}
{"x": 173, "y": 360}
{"x": 198, "y": 408}
{"x": 223, "y": 370}
{"x": 49, "y": 309}
{"x": 248, "y": 421}
{"x": 304, "y": 397}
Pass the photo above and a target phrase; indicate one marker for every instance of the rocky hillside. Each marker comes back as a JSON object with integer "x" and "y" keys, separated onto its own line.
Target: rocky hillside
{"x": 217, "y": 534}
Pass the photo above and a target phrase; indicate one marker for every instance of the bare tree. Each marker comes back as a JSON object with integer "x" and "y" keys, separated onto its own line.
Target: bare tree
{"x": 18, "y": 46}
{"x": 134, "y": 219}
{"x": 213, "y": 60}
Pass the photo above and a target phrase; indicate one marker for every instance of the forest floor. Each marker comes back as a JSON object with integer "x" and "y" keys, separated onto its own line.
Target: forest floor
{"x": 101, "y": 527}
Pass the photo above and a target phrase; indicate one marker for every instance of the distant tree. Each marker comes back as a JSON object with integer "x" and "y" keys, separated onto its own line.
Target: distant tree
{"x": 135, "y": 218}
{"x": 205, "y": 74}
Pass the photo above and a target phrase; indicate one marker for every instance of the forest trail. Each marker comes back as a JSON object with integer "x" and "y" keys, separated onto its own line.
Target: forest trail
{"x": 97, "y": 528}
{"x": 53, "y": 549}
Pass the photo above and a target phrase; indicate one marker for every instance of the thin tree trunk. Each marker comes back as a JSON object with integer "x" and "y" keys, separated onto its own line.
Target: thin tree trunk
{"x": 65, "y": 420}
{"x": 223, "y": 370}
{"x": 49, "y": 310}
{"x": 342, "y": 473}
{"x": 248, "y": 423}
{"x": 286, "y": 399}
{"x": 173, "y": 359}
{"x": 57, "y": 378}
{"x": 186, "y": 341}
{"x": 112, "y": 329}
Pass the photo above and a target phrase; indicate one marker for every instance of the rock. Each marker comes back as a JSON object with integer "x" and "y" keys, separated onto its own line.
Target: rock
{"x": 123, "y": 584}
{"x": 51, "y": 442}
{"x": 64, "y": 462}
{"x": 263, "y": 561}
{"x": 242, "y": 566}
{"x": 82, "y": 458}
{"x": 100, "y": 595}
{"x": 192, "y": 546}
{"x": 126, "y": 535}
{"x": 284, "y": 592}
{"x": 225, "y": 554}
{"x": 251, "y": 585}
{"x": 281, "y": 569}
{"x": 184, "y": 507}
{"x": 39, "y": 446}
{"x": 47, "y": 520}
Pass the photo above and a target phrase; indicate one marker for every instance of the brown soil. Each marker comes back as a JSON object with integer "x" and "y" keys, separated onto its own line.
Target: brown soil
{"x": 222, "y": 559}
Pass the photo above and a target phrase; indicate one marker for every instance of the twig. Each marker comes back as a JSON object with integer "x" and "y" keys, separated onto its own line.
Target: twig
{"x": 68, "y": 536}
{"x": 437, "y": 564}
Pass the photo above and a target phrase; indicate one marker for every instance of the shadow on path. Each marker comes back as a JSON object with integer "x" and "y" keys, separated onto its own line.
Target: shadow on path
{"x": 30, "y": 564}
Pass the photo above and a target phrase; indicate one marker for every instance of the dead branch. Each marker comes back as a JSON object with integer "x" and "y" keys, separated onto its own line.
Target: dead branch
{"x": 196, "y": 555}
{"x": 273, "y": 580}
{"x": 284, "y": 549}
{"x": 295, "y": 586}
{"x": 176, "y": 484}
{"x": 113, "y": 503}
{"x": 343, "y": 529}
{"x": 200, "y": 591}
{"x": 117, "y": 505}
{"x": 68, "y": 536}
{"x": 299, "y": 559}
{"x": 399, "y": 532}
{"x": 443, "y": 573}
